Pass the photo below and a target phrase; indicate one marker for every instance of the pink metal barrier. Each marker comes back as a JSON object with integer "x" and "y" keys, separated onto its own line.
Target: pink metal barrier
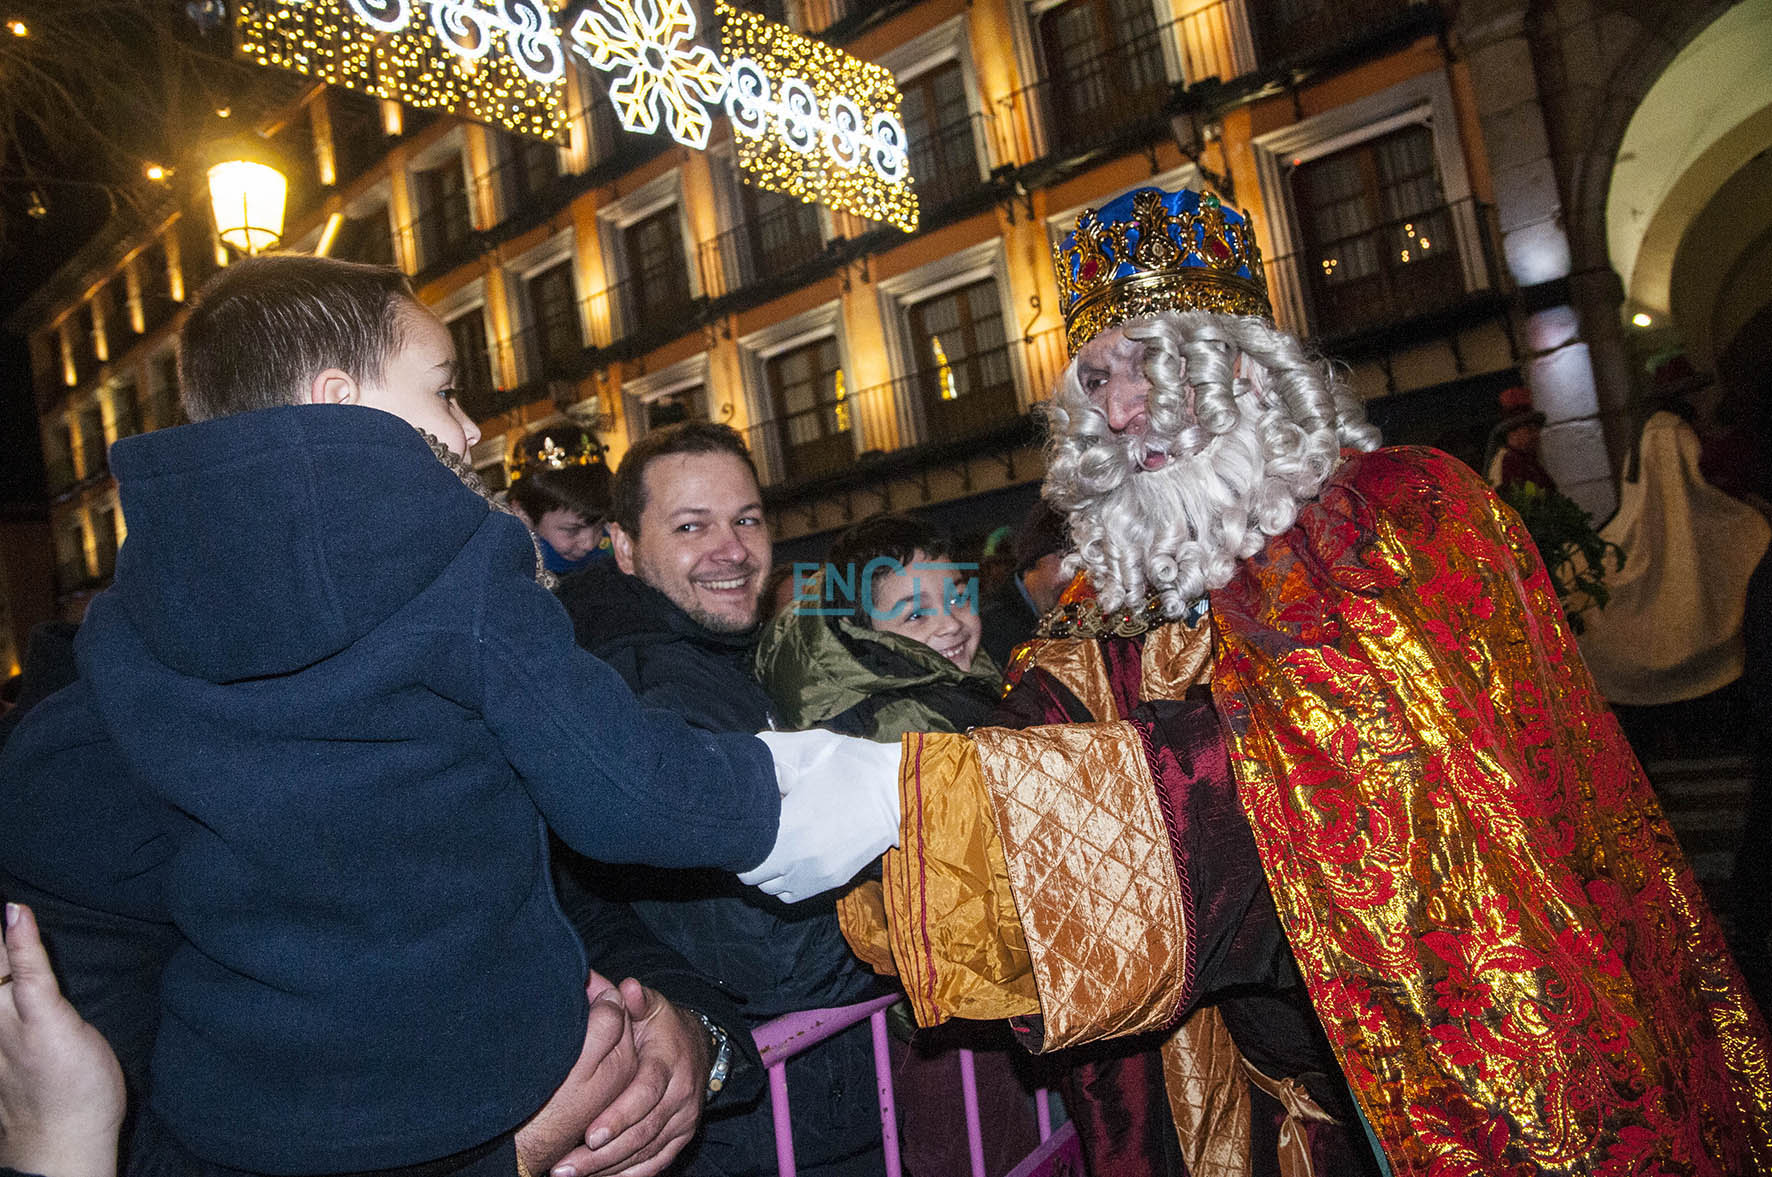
{"x": 1058, "y": 1154}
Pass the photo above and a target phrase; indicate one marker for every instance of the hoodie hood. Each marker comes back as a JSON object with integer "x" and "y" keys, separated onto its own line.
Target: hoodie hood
{"x": 264, "y": 542}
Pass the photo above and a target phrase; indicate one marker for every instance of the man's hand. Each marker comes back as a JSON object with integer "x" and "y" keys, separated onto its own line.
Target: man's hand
{"x": 649, "y": 1123}
{"x": 61, "y": 1091}
{"x": 839, "y": 811}
{"x": 605, "y": 1069}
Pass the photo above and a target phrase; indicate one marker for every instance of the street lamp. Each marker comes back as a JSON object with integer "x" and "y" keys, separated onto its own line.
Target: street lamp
{"x": 247, "y": 195}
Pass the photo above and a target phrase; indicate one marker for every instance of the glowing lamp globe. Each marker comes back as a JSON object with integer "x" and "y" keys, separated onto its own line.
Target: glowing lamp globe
{"x": 248, "y": 199}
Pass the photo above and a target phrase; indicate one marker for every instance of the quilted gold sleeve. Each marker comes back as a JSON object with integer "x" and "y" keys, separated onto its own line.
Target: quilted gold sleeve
{"x": 1092, "y": 871}
{"x": 954, "y": 933}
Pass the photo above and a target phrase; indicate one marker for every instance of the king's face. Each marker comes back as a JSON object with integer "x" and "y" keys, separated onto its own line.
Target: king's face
{"x": 1110, "y": 367}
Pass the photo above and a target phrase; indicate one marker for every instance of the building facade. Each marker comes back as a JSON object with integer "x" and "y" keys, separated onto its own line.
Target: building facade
{"x": 630, "y": 282}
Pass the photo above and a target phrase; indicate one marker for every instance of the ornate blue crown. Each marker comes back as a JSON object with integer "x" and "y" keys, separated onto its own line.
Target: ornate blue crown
{"x": 1151, "y": 251}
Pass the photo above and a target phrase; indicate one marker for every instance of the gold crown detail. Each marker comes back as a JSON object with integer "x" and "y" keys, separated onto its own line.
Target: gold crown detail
{"x": 1151, "y": 251}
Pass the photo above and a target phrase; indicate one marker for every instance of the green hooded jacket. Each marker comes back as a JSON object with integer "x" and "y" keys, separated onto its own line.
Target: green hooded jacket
{"x": 834, "y": 672}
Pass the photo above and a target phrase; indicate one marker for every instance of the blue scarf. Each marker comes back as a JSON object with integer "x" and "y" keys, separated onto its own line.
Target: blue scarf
{"x": 559, "y": 565}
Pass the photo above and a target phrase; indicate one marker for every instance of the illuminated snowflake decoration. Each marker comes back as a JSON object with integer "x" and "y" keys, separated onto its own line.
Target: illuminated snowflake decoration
{"x": 668, "y": 76}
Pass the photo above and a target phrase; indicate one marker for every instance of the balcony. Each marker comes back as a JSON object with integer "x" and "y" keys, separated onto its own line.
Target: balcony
{"x": 524, "y": 188}
{"x": 769, "y": 250}
{"x": 944, "y": 163}
{"x": 478, "y": 394}
{"x": 652, "y": 305}
{"x": 59, "y": 473}
{"x": 71, "y": 575}
{"x": 1289, "y": 31}
{"x": 157, "y": 309}
{"x": 957, "y": 406}
{"x": 1365, "y": 287}
{"x": 126, "y": 415}
{"x": 1083, "y": 104}
{"x": 442, "y": 228}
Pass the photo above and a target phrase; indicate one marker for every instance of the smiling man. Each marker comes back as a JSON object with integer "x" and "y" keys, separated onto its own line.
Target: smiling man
{"x": 676, "y": 615}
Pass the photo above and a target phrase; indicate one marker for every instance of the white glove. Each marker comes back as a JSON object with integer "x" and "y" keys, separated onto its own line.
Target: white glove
{"x": 839, "y": 811}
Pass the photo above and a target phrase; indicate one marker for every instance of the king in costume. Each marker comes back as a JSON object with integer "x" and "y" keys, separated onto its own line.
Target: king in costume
{"x": 1306, "y": 744}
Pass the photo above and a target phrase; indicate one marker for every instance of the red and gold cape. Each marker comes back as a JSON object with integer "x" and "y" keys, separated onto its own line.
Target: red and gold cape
{"x": 1504, "y": 944}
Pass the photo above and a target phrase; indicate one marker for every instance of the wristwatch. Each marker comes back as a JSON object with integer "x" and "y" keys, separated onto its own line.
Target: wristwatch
{"x": 719, "y": 1049}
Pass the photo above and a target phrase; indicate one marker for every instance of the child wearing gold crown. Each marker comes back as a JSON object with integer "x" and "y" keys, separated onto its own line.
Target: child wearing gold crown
{"x": 1304, "y": 793}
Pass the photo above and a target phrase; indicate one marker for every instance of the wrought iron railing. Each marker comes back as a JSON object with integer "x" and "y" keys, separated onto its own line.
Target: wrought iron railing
{"x": 59, "y": 473}
{"x": 766, "y": 248}
{"x": 657, "y": 303}
{"x": 126, "y": 415}
{"x": 1080, "y": 104}
{"x": 443, "y": 230}
{"x": 515, "y": 188}
{"x": 967, "y": 398}
{"x": 1427, "y": 263}
{"x": 945, "y": 162}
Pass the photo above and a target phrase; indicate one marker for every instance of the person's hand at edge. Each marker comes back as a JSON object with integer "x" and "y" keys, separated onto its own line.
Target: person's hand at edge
{"x": 61, "y": 1090}
{"x": 605, "y": 1069}
{"x": 649, "y": 1124}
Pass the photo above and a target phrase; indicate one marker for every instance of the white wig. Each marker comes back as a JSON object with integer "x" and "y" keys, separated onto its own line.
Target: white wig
{"x": 1244, "y": 453}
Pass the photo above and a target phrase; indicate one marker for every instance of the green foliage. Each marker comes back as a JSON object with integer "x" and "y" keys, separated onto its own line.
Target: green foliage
{"x": 1573, "y": 551}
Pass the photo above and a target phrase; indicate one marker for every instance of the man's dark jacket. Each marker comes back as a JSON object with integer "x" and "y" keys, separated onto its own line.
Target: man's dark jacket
{"x": 776, "y": 957}
{"x": 324, "y": 719}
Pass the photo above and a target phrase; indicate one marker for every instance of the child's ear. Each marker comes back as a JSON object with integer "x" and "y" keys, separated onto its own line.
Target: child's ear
{"x": 334, "y": 387}
{"x": 622, "y": 544}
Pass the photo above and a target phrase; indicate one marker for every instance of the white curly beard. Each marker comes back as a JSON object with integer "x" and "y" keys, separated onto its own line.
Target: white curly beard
{"x": 1177, "y": 531}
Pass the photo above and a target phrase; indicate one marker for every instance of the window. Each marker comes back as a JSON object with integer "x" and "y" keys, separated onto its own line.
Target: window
{"x": 107, "y": 534}
{"x": 1287, "y": 29}
{"x": 196, "y": 253}
{"x": 529, "y": 169}
{"x": 780, "y": 231}
{"x": 939, "y": 124}
{"x": 125, "y": 417}
{"x": 686, "y": 404}
{"x": 811, "y": 408}
{"x": 58, "y": 455}
{"x": 70, "y": 554}
{"x": 1380, "y": 244}
{"x": 163, "y": 400}
{"x": 473, "y": 364}
{"x": 368, "y": 238}
{"x": 964, "y": 375}
{"x": 85, "y": 327}
{"x": 295, "y": 147}
{"x": 1104, "y": 63}
{"x": 156, "y": 291}
{"x": 92, "y": 441}
{"x": 555, "y": 309}
{"x": 358, "y": 142}
{"x": 658, "y": 278}
{"x": 445, "y": 222}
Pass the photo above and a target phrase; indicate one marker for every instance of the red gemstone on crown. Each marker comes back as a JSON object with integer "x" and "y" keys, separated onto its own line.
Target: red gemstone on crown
{"x": 1217, "y": 248}
{"x": 1089, "y": 269}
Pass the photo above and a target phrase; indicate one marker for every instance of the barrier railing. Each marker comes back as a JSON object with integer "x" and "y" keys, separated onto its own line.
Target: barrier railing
{"x": 794, "y": 1033}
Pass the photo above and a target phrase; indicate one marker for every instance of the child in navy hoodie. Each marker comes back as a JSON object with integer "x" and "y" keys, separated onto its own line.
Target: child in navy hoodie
{"x": 326, "y": 716}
